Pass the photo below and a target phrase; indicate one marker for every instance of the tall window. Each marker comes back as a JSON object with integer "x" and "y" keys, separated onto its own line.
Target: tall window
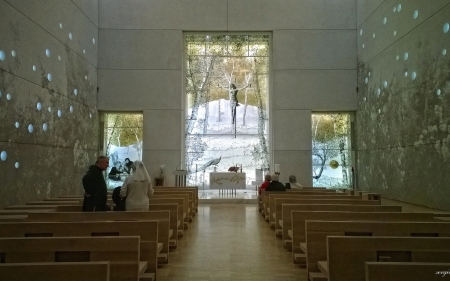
{"x": 226, "y": 104}
{"x": 331, "y": 150}
{"x": 122, "y": 137}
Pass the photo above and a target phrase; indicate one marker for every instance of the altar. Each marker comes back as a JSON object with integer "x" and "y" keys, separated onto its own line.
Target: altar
{"x": 227, "y": 181}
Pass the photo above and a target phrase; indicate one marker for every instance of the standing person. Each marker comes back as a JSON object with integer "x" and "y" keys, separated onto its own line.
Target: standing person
{"x": 275, "y": 185}
{"x": 267, "y": 179}
{"x": 293, "y": 183}
{"x": 127, "y": 165}
{"x": 137, "y": 188}
{"x": 95, "y": 191}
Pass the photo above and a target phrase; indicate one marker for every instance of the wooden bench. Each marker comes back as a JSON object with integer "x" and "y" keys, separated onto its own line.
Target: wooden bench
{"x": 185, "y": 203}
{"x": 55, "y": 271}
{"x": 406, "y": 271}
{"x": 190, "y": 188}
{"x": 162, "y": 216}
{"x": 180, "y": 207}
{"x": 31, "y": 207}
{"x": 146, "y": 230}
{"x": 59, "y": 202}
{"x": 122, "y": 253}
{"x": 303, "y": 205}
{"x": 174, "y": 221}
{"x": 23, "y": 212}
{"x": 298, "y": 232}
{"x": 190, "y": 199}
{"x": 347, "y": 255}
{"x": 317, "y": 232}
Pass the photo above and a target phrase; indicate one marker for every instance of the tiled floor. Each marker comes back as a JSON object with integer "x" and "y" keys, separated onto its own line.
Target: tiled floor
{"x": 230, "y": 241}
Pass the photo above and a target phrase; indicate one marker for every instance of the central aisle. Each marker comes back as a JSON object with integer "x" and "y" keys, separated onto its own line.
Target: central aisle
{"x": 230, "y": 242}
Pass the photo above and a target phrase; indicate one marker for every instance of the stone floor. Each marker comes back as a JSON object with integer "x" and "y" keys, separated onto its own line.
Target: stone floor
{"x": 231, "y": 241}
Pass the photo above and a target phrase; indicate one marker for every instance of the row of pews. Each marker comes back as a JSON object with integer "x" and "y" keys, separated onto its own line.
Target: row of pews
{"x": 348, "y": 235}
{"x": 53, "y": 239}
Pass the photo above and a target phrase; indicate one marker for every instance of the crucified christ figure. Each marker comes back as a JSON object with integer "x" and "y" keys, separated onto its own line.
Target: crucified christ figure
{"x": 232, "y": 96}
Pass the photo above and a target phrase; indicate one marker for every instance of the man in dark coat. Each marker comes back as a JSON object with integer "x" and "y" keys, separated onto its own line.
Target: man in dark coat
{"x": 275, "y": 185}
{"x": 95, "y": 186}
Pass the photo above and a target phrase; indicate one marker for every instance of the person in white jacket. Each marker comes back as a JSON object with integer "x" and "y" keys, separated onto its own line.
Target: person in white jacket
{"x": 293, "y": 182}
{"x": 137, "y": 188}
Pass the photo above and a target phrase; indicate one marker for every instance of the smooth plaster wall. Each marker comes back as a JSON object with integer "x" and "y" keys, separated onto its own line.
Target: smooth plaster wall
{"x": 52, "y": 161}
{"x": 403, "y": 126}
{"x": 313, "y": 67}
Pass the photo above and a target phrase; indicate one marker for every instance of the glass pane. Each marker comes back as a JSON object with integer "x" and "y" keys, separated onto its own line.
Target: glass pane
{"x": 331, "y": 150}
{"x": 226, "y": 106}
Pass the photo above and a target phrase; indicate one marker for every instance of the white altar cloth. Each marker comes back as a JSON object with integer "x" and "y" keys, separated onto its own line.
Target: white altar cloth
{"x": 227, "y": 180}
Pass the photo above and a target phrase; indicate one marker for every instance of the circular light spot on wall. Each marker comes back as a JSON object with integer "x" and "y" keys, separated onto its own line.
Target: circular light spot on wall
{"x": 13, "y": 53}
{"x": 413, "y": 75}
{"x": 378, "y": 91}
{"x": 90, "y": 115}
{"x": 17, "y": 125}
{"x": 39, "y": 106}
{"x": 366, "y": 80}
{"x": 49, "y": 109}
{"x": 75, "y": 92}
{"x": 385, "y": 84}
{"x": 399, "y": 7}
{"x": 59, "y": 58}
{"x": 444, "y": 52}
{"x": 17, "y": 165}
{"x": 438, "y": 92}
{"x": 446, "y": 27}
{"x": 85, "y": 77}
{"x": 47, "y": 53}
{"x": 379, "y": 110}
{"x": 93, "y": 41}
{"x": 2, "y": 56}
{"x": 360, "y": 32}
{"x": 394, "y": 10}
{"x": 84, "y": 51}
{"x": 416, "y": 14}
{"x": 385, "y": 20}
{"x": 395, "y": 32}
{"x": 397, "y": 57}
{"x": 3, "y": 155}
{"x": 405, "y": 56}
{"x": 70, "y": 36}
{"x": 34, "y": 68}
{"x": 71, "y": 109}
{"x": 59, "y": 113}
{"x": 60, "y": 25}
{"x": 406, "y": 73}
{"x": 0, "y": 94}
{"x": 373, "y": 36}
{"x": 30, "y": 128}
{"x": 44, "y": 127}
{"x": 8, "y": 96}
{"x": 369, "y": 73}
{"x": 365, "y": 99}
{"x": 49, "y": 77}
{"x": 363, "y": 46}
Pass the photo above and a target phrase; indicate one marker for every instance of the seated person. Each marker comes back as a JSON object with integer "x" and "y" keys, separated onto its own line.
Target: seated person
{"x": 275, "y": 185}
{"x": 293, "y": 183}
{"x": 267, "y": 179}
{"x": 127, "y": 165}
{"x": 114, "y": 174}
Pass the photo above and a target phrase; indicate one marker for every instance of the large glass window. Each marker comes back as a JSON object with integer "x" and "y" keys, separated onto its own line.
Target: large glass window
{"x": 122, "y": 136}
{"x": 331, "y": 150}
{"x": 226, "y": 104}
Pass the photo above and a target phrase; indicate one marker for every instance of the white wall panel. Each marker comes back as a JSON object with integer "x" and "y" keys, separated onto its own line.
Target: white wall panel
{"x": 297, "y": 163}
{"x": 190, "y": 15}
{"x": 89, "y": 8}
{"x": 162, "y": 130}
{"x": 314, "y": 49}
{"x": 292, "y": 129}
{"x": 265, "y": 15}
{"x": 140, "y": 49}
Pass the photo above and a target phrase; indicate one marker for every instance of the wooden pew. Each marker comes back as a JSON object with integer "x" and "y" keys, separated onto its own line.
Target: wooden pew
{"x": 406, "y": 271}
{"x": 122, "y": 253}
{"x": 190, "y": 198}
{"x": 270, "y": 201}
{"x": 317, "y": 232}
{"x": 180, "y": 204}
{"x": 31, "y": 207}
{"x": 146, "y": 230}
{"x": 163, "y": 218}
{"x": 193, "y": 188}
{"x": 174, "y": 221}
{"x": 59, "y": 202}
{"x": 303, "y": 205}
{"x": 185, "y": 197}
{"x": 23, "y": 212}
{"x": 347, "y": 255}
{"x": 298, "y": 233}
{"x": 55, "y": 271}
{"x": 69, "y": 208}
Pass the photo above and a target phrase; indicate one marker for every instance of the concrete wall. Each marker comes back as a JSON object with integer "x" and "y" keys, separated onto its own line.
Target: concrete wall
{"x": 51, "y": 159}
{"x": 403, "y": 121}
{"x": 313, "y": 67}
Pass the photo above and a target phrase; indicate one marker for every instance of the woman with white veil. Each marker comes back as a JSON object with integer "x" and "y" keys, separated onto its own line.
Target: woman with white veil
{"x": 137, "y": 188}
